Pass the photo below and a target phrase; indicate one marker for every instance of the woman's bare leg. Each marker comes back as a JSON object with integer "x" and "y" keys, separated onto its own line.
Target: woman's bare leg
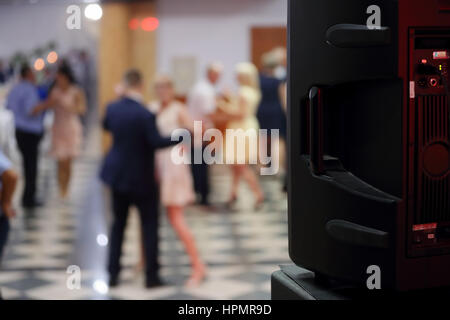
{"x": 141, "y": 264}
{"x": 64, "y": 174}
{"x": 236, "y": 174}
{"x": 60, "y": 177}
{"x": 250, "y": 177}
{"x": 177, "y": 221}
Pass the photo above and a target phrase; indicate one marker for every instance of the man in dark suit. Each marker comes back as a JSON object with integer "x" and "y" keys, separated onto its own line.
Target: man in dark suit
{"x": 129, "y": 171}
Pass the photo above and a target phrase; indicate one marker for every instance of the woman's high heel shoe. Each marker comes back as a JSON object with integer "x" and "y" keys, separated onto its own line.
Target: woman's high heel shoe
{"x": 197, "y": 278}
{"x": 229, "y": 205}
{"x": 259, "y": 204}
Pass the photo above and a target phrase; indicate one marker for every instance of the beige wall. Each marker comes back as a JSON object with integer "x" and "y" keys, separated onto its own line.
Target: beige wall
{"x": 121, "y": 48}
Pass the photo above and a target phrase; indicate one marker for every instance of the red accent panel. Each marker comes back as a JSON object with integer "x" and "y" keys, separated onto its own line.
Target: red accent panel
{"x": 431, "y": 270}
{"x": 427, "y": 226}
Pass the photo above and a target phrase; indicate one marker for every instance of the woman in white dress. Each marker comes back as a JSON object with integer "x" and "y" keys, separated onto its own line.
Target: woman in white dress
{"x": 241, "y": 111}
{"x": 176, "y": 185}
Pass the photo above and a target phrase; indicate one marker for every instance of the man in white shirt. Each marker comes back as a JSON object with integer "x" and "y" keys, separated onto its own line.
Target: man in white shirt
{"x": 8, "y": 182}
{"x": 202, "y": 98}
{"x": 8, "y": 143}
{"x": 201, "y": 105}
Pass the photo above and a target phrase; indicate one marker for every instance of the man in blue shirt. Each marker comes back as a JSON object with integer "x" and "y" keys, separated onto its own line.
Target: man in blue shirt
{"x": 22, "y": 99}
{"x": 8, "y": 181}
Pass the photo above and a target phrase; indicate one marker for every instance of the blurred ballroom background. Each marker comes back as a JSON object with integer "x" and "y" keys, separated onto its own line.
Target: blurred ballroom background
{"x": 241, "y": 242}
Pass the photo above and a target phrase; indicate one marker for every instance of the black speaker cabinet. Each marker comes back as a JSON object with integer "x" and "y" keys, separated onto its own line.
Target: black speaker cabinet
{"x": 369, "y": 140}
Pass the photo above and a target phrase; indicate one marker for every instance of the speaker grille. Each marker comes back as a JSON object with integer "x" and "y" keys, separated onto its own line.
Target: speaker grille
{"x": 435, "y": 119}
{"x": 433, "y": 174}
{"x": 435, "y": 200}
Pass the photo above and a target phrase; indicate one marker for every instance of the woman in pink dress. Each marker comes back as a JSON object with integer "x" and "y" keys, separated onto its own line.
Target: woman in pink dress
{"x": 68, "y": 103}
{"x": 176, "y": 185}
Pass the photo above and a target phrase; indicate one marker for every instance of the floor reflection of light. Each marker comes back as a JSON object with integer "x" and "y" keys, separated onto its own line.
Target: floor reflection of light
{"x": 102, "y": 240}
{"x": 100, "y": 286}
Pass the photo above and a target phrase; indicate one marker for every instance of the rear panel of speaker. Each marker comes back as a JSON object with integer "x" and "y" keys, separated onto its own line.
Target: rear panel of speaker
{"x": 429, "y": 219}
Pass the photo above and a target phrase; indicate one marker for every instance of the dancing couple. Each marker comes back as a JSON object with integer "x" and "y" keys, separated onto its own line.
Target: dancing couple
{"x": 141, "y": 144}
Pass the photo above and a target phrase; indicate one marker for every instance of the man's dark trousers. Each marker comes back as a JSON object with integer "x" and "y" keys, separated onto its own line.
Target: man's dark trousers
{"x": 28, "y": 144}
{"x": 148, "y": 211}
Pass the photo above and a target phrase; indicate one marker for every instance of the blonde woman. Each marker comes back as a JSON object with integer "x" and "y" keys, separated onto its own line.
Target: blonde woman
{"x": 241, "y": 111}
{"x": 176, "y": 185}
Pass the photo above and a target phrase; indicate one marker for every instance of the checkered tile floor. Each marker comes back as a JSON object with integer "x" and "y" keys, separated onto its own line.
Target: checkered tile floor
{"x": 242, "y": 248}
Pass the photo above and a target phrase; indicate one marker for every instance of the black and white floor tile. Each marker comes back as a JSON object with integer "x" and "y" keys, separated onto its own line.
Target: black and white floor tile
{"x": 242, "y": 248}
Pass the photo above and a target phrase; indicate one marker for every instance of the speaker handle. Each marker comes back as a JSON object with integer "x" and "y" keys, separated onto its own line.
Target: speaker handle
{"x": 316, "y": 130}
{"x": 357, "y": 36}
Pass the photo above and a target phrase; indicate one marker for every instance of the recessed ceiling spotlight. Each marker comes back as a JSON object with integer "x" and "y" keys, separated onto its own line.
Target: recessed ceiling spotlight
{"x": 93, "y": 11}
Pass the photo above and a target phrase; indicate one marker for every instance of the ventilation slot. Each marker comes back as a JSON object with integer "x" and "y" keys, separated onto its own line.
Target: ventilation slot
{"x": 435, "y": 200}
{"x": 434, "y": 189}
{"x": 435, "y": 119}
